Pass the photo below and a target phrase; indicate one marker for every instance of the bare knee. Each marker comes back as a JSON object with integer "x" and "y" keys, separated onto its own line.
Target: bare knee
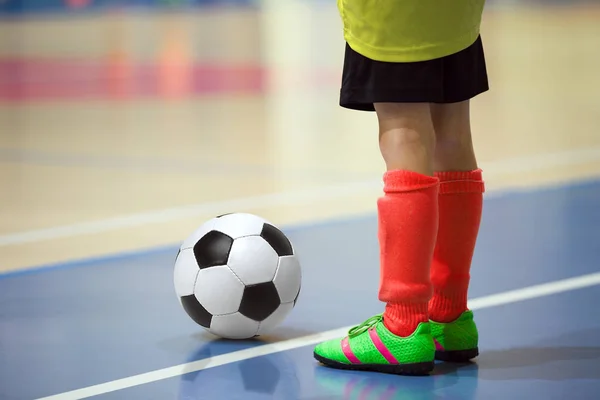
{"x": 453, "y": 141}
{"x": 406, "y": 136}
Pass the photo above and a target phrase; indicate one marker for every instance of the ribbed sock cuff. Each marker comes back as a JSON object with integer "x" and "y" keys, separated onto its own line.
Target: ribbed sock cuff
{"x": 403, "y": 318}
{"x": 405, "y": 181}
{"x": 447, "y": 306}
{"x": 461, "y": 181}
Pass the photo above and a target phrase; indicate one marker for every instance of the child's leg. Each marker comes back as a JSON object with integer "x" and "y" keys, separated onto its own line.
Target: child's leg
{"x": 460, "y": 208}
{"x": 408, "y": 213}
{"x": 454, "y": 144}
{"x": 406, "y": 136}
{"x": 400, "y": 340}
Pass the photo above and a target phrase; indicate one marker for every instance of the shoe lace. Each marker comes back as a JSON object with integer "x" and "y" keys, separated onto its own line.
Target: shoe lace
{"x": 368, "y": 324}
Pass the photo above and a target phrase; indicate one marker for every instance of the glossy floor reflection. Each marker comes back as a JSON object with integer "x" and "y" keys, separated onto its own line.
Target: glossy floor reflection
{"x": 114, "y": 318}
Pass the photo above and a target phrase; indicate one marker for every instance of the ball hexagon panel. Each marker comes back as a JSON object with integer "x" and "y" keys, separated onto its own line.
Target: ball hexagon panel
{"x": 277, "y": 239}
{"x": 273, "y": 320}
{"x": 195, "y": 310}
{"x": 288, "y": 278}
{"x": 225, "y": 325}
{"x": 185, "y": 272}
{"x": 253, "y": 260}
{"x": 219, "y": 290}
{"x": 237, "y": 225}
{"x": 212, "y": 249}
{"x": 260, "y": 301}
{"x": 202, "y": 230}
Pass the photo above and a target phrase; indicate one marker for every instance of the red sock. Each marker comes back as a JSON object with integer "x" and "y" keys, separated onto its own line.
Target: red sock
{"x": 408, "y": 221}
{"x": 460, "y": 206}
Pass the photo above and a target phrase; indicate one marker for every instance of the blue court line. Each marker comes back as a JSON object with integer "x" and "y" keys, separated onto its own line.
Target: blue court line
{"x": 527, "y": 238}
{"x": 95, "y": 261}
{"x": 135, "y": 381}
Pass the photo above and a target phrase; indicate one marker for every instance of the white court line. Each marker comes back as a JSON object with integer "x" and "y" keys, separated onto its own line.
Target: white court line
{"x": 493, "y": 300}
{"x": 180, "y": 213}
{"x": 289, "y": 198}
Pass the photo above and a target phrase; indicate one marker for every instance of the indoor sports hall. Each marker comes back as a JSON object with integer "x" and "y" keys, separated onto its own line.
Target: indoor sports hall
{"x": 126, "y": 124}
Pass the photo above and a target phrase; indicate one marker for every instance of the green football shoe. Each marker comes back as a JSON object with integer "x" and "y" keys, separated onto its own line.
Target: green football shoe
{"x": 456, "y": 341}
{"x": 372, "y": 347}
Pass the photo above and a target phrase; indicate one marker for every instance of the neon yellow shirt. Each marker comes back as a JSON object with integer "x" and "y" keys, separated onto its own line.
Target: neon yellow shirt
{"x": 410, "y": 30}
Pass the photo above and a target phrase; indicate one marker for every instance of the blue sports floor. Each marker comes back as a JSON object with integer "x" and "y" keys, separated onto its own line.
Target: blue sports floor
{"x": 87, "y": 323}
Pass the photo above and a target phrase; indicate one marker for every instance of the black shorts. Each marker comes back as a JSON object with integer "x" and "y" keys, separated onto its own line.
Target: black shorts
{"x": 451, "y": 79}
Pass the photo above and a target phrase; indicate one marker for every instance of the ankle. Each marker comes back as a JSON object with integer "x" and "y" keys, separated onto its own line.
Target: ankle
{"x": 447, "y": 307}
{"x": 402, "y": 319}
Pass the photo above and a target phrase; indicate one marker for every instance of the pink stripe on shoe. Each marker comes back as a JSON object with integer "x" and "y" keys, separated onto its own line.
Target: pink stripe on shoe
{"x": 438, "y": 346}
{"x": 348, "y": 352}
{"x": 381, "y": 347}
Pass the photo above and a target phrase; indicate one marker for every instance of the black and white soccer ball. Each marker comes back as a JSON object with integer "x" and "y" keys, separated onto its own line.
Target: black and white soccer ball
{"x": 237, "y": 276}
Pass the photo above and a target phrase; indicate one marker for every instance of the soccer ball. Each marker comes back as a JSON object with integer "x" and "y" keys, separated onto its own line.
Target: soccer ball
{"x": 237, "y": 276}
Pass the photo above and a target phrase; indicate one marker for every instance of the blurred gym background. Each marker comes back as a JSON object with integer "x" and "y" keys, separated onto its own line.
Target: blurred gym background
{"x": 124, "y": 124}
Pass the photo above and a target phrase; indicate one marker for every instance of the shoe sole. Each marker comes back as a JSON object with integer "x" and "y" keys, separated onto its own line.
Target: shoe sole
{"x": 458, "y": 356}
{"x": 415, "y": 369}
